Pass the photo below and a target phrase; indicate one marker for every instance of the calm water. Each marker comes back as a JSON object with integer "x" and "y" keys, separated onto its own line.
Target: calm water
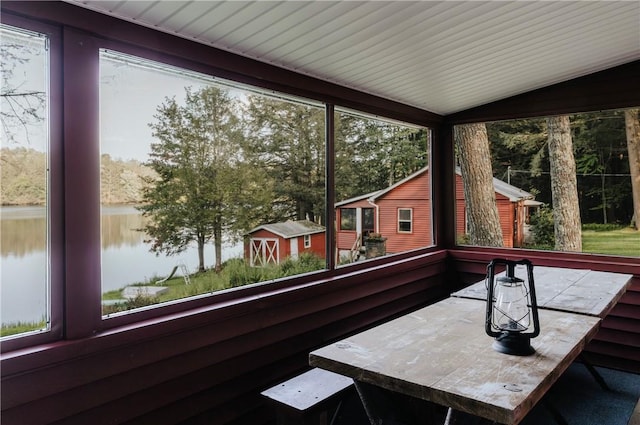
{"x": 125, "y": 258}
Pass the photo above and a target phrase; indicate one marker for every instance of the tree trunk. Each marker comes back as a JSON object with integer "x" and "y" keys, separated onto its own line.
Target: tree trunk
{"x": 217, "y": 244}
{"x": 564, "y": 187}
{"x": 200, "y": 239}
{"x": 477, "y": 176}
{"x": 632, "y": 123}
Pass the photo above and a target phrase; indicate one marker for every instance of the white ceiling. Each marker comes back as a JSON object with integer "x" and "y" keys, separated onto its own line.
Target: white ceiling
{"x": 442, "y": 56}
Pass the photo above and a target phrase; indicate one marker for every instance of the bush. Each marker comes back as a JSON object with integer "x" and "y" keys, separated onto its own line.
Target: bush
{"x": 306, "y": 262}
{"x": 542, "y": 227}
{"x": 241, "y": 273}
{"x": 599, "y": 227}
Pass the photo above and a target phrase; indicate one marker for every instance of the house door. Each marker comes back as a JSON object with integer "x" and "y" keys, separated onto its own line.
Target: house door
{"x": 367, "y": 221}
{"x": 264, "y": 252}
{"x": 293, "y": 246}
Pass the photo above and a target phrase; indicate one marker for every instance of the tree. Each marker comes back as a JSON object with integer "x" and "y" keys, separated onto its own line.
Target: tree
{"x": 600, "y": 149}
{"x": 373, "y": 154}
{"x": 566, "y": 208}
{"x": 287, "y": 140}
{"x": 477, "y": 176}
{"x": 200, "y": 179}
{"x": 23, "y": 101}
{"x": 519, "y": 154}
{"x": 632, "y": 124}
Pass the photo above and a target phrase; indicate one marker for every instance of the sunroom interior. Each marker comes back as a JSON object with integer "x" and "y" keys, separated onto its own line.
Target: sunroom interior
{"x": 205, "y": 359}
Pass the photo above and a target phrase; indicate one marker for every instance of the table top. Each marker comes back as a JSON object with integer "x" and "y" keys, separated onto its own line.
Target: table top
{"x": 441, "y": 353}
{"x": 574, "y": 290}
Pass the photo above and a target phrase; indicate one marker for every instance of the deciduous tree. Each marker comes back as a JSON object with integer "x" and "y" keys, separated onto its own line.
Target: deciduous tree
{"x": 23, "y": 103}
{"x": 287, "y": 140}
{"x": 203, "y": 191}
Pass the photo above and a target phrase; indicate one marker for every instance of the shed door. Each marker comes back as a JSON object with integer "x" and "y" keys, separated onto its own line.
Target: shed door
{"x": 293, "y": 245}
{"x": 263, "y": 252}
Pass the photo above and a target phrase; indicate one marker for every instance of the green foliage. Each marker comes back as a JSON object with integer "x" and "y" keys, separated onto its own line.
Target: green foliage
{"x": 130, "y": 304}
{"x": 9, "y": 329}
{"x": 236, "y": 272}
{"x": 121, "y": 182}
{"x": 240, "y": 273}
{"x": 599, "y": 227}
{"x": 623, "y": 241}
{"x": 24, "y": 176}
{"x": 602, "y": 162}
{"x": 287, "y": 140}
{"x": 202, "y": 191}
{"x": 306, "y": 262}
{"x": 372, "y": 155}
{"x": 542, "y": 227}
{"x": 522, "y": 146}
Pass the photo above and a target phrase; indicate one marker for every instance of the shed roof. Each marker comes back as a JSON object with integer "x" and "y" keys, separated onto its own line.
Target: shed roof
{"x": 291, "y": 229}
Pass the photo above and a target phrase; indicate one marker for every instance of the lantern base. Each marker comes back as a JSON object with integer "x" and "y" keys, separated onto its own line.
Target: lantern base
{"x": 513, "y": 343}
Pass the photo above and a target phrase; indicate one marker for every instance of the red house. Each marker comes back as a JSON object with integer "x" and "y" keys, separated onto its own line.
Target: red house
{"x": 401, "y": 213}
{"x": 514, "y": 209}
{"x": 273, "y": 243}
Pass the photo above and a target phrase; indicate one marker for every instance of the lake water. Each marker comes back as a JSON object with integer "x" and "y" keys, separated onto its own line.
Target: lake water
{"x": 125, "y": 258}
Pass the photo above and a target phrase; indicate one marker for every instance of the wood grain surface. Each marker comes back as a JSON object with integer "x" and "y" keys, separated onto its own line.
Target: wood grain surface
{"x": 441, "y": 354}
{"x": 574, "y": 290}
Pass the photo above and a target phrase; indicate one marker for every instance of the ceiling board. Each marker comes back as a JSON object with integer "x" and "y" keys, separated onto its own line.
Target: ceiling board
{"x": 442, "y": 56}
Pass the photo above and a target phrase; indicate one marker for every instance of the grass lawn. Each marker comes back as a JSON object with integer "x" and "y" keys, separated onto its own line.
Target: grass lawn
{"x": 624, "y": 241}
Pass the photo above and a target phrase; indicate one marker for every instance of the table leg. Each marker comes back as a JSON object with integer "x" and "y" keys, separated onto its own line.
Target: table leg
{"x": 592, "y": 370}
{"x": 384, "y": 407}
{"x": 456, "y": 417}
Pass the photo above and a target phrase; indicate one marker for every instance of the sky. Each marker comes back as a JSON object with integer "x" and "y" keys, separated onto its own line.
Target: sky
{"x": 129, "y": 97}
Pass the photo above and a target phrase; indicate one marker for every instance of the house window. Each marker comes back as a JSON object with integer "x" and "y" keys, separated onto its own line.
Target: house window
{"x": 405, "y": 220}
{"x": 347, "y": 219}
{"x": 307, "y": 241}
{"x": 25, "y": 215}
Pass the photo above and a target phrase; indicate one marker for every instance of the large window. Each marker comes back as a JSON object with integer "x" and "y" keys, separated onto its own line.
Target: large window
{"x": 148, "y": 183}
{"x": 560, "y": 183}
{"x": 381, "y": 166}
{"x": 24, "y": 156}
{"x": 195, "y": 174}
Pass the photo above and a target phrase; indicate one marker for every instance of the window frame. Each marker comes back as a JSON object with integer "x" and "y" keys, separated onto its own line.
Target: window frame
{"x": 55, "y": 192}
{"x": 400, "y": 220}
{"x": 353, "y": 220}
{"x": 76, "y": 39}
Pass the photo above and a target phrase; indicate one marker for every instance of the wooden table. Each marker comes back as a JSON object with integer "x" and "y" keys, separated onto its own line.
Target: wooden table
{"x": 579, "y": 291}
{"x": 441, "y": 354}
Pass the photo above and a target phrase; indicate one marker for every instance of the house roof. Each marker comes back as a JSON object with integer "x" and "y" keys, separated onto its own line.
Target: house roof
{"x": 291, "y": 229}
{"x": 513, "y": 193}
{"x": 439, "y": 56}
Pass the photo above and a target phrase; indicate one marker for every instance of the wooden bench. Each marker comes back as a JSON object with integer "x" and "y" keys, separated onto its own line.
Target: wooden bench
{"x": 311, "y": 398}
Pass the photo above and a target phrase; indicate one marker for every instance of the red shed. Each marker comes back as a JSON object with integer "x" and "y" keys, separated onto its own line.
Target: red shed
{"x": 401, "y": 213}
{"x": 272, "y": 243}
